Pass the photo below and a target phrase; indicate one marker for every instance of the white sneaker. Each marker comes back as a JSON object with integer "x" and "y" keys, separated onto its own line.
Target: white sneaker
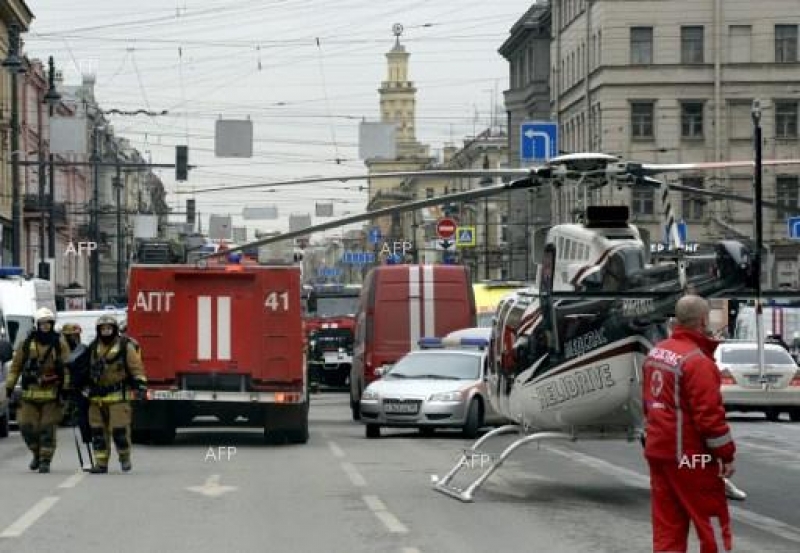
{"x": 732, "y": 492}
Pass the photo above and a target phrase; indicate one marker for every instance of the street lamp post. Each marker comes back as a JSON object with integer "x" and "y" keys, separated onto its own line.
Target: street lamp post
{"x": 759, "y": 224}
{"x": 14, "y": 64}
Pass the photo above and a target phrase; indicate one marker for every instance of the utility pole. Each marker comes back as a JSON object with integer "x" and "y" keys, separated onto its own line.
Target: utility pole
{"x": 95, "y": 227}
{"x": 486, "y": 238}
{"x": 120, "y": 245}
{"x": 759, "y": 223}
{"x": 52, "y": 98}
{"x": 14, "y": 64}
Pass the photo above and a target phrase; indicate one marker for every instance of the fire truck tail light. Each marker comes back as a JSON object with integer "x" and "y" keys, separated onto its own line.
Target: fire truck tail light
{"x": 287, "y": 397}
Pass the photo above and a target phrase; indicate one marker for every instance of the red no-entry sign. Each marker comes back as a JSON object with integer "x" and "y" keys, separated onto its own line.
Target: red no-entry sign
{"x": 445, "y": 228}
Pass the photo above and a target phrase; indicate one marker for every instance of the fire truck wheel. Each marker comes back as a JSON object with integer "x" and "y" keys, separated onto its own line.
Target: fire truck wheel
{"x": 163, "y": 436}
{"x": 373, "y": 431}
{"x": 274, "y": 437}
{"x": 794, "y": 415}
{"x": 140, "y": 436}
{"x": 772, "y": 414}
{"x": 4, "y": 424}
{"x": 298, "y": 436}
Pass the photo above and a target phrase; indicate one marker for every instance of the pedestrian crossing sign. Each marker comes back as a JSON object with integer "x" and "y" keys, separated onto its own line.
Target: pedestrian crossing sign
{"x": 465, "y": 236}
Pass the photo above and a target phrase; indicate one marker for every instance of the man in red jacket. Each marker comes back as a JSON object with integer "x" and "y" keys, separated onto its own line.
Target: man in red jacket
{"x": 689, "y": 446}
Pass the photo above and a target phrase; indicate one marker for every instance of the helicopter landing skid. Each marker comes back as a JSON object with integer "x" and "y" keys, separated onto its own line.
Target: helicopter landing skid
{"x": 469, "y": 457}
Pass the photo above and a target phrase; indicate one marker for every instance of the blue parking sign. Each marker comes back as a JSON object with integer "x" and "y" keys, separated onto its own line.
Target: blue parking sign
{"x": 538, "y": 140}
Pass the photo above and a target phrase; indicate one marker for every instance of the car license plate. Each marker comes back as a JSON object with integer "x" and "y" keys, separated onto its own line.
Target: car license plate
{"x": 173, "y": 394}
{"x": 401, "y": 407}
{"x": 771, "y": 378}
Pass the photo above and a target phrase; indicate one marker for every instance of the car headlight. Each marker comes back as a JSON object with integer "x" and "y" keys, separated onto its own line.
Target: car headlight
{"x": 369, "y": 394}
{"x": 447, "y": 396}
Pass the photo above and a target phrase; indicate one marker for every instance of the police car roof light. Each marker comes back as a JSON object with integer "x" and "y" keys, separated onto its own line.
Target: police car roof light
{"x": 11, "y": 271}
{"x": 429, "y": 342}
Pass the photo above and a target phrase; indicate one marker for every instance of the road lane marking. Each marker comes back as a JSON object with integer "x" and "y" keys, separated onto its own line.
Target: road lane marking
{"x": 633, "y": 478}
{"x": 336, "y": 450}
{"x": 353, "y": 474}
{"x": 24, "y": 522}
{"x": 410, "y": 550}
{"x": 73, "y": 480}
{"x": 378, "y": 508}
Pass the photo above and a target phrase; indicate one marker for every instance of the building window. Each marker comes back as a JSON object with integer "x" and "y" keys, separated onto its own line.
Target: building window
{"x": 692, "y": 204}
{"x": 429, "y": 193}
{"x": 785, "y": 43}
{"x": 642, "y": 115}
{"x": 641, "y": 45}
{"x": 692, "y": 119}
{"x": 740, "y": 123}
{"x": 786, "y": 119}
{"x": 740, "y": 45}
{"x": 643, "y": 201}
{"x": 788, "y": 194}
{"x": 692, "y": 44}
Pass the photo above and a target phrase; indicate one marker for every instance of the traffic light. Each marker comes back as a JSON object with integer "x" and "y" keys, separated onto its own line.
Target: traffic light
{"x": 190, "y": 212}
{"x": 181, "y": 163}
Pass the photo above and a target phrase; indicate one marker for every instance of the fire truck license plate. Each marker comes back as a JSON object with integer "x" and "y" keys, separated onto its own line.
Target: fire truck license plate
{"x": 173, "y": 394}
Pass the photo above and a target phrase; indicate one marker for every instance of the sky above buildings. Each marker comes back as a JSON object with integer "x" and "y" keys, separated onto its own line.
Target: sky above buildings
{"x": 304, "y": 71}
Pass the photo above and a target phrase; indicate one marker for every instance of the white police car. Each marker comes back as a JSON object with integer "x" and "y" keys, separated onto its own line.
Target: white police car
{"x": 442, "y": 385}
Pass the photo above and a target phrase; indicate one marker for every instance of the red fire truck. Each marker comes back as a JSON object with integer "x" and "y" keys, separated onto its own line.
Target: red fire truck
{"x": 221, "y": 340}
{"x": 330, "y": 327}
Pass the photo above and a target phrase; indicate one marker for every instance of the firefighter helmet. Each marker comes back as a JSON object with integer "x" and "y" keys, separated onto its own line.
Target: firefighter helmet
{"x": 44, "y": 315}
{"x": 71, "y": 328}
{"x": 107, "y": 320}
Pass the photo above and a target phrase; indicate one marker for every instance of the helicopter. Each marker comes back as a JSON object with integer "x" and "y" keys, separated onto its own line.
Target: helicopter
{"x": 565, "y": 356}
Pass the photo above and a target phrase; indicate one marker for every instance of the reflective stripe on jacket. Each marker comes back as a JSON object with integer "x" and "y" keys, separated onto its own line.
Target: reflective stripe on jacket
{"x": 682, "y": 399}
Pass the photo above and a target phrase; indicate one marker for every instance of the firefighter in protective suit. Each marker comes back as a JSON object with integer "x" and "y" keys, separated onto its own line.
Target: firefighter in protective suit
{"x": 39, "y": 363}
{"x": 689, "y": 446}
{"x": 116, "y": 373}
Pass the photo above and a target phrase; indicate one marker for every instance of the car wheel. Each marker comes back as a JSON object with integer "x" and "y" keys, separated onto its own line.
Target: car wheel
{"x": 373, "y": 431}
{"x": 794, "y": 415}
{"x": 474, "y": 419}
{"x": 772, "y": 414}
{"x": 4, "y": 425}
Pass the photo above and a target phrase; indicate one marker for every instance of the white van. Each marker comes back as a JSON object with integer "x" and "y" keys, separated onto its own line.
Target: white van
{"x": 88, "y": 320}
{"x": 20, "y": 297}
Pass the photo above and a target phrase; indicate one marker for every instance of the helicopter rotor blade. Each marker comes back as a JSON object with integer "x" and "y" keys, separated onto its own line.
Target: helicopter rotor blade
{"x": 649, "y": 169}
{"x": 487, "y": 191}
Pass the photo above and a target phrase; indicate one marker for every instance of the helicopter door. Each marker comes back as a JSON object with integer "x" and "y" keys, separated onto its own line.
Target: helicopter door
{"x": 546, "y": 298}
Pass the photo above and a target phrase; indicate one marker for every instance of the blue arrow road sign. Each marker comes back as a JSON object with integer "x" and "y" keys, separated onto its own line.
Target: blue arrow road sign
{"x": 374, "y": 235}
{"x": 538, "y": 140}
{"x": 794, "y": 228}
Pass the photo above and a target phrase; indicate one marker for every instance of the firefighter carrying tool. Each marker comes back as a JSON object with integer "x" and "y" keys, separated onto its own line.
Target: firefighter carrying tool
{"x": 223, "y": 341}
{"x": 115, "y": 373}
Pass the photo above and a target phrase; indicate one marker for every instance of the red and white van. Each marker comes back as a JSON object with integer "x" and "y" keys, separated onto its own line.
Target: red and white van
{"x": 399, "y": 304}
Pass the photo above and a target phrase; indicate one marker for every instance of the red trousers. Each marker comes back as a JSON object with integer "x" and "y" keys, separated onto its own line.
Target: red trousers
{"x": 681, "y": 494}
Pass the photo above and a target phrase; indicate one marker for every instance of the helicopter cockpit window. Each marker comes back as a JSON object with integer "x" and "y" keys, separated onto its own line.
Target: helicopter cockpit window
{"x": 621, "y": 264}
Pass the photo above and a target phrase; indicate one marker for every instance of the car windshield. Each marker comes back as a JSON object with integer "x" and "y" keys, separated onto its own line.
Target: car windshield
{"x": 451, "y": 366}
{"x": 336, "y": 305}
{"x": 750, "y": 356}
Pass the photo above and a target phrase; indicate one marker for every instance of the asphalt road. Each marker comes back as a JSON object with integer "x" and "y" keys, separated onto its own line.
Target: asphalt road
{"x": 223, "y": 490}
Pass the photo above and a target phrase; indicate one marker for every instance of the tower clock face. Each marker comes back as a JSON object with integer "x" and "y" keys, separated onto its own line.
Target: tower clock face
{"x": 397, "y": 29}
